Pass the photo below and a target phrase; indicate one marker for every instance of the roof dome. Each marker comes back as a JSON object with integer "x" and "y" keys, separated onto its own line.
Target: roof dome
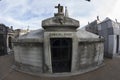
{"x": 38, "y": 36}
{"x": 87, "y": 36}
{"x": 32, "y": 36}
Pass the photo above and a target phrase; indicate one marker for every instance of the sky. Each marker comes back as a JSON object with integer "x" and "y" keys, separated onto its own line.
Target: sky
{"x": 23, "y": 13}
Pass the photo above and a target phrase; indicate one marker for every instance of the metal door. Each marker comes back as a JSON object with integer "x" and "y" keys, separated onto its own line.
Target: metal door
{"x": 61, "y": 51}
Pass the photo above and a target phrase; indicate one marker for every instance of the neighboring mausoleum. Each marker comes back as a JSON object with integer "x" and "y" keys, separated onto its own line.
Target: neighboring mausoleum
{"x": 58, "y": 48}
{"x": 6, "y": 36}
{"x": 110, "y": 30}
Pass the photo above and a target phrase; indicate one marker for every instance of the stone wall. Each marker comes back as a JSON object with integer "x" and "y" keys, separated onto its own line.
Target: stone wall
{"x": 29, "y": 56}
{"x": 90, "y": 54}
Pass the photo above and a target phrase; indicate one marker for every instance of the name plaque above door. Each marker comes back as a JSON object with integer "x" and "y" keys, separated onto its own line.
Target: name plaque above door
{"x": 61, "y": 34}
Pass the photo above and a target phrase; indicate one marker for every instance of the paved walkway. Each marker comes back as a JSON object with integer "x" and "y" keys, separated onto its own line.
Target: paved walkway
{"x": 110, "y": 71}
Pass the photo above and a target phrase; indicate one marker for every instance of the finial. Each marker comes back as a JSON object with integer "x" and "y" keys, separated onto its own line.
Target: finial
{"x": 98, "y": 18}
{"x": 11, "y": 27}
{"x": 28, "y": 29}
{"x": 66, "y": 12}
{"x": 88, "y": 22}
{"x": 116, "y": 20}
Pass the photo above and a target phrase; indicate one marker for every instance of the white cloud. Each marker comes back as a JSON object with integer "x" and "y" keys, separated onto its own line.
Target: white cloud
{"x": 22, "y": 13}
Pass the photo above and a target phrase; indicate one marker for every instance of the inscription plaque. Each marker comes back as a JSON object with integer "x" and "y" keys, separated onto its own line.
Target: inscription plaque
{"x": 60, "y": 34}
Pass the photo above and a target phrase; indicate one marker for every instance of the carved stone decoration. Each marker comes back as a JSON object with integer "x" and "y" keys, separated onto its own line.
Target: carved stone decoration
{"x": 59, "y": 20}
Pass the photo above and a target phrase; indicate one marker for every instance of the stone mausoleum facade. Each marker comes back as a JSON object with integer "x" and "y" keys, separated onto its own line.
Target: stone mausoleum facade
{"x": 58, "y": 48}
{"x": 6, "y": 36}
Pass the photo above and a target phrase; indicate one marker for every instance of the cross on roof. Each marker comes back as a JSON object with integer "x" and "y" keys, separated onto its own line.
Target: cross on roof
{"x": 60, "y": 8}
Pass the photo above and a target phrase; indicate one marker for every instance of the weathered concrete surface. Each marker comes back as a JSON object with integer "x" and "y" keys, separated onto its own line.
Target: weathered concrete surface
{"x": 110, "y": 71}
{"x": 39, "y": 58}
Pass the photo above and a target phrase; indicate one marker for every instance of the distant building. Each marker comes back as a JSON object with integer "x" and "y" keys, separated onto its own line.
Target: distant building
{"x": 110, "y": 30}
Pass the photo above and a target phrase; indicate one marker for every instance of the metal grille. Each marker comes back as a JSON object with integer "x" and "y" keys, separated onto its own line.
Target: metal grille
{"x": 61, "y": 50}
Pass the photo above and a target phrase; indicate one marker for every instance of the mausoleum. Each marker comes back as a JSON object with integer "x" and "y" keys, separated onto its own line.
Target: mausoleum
{"x": 59, "y": 48}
